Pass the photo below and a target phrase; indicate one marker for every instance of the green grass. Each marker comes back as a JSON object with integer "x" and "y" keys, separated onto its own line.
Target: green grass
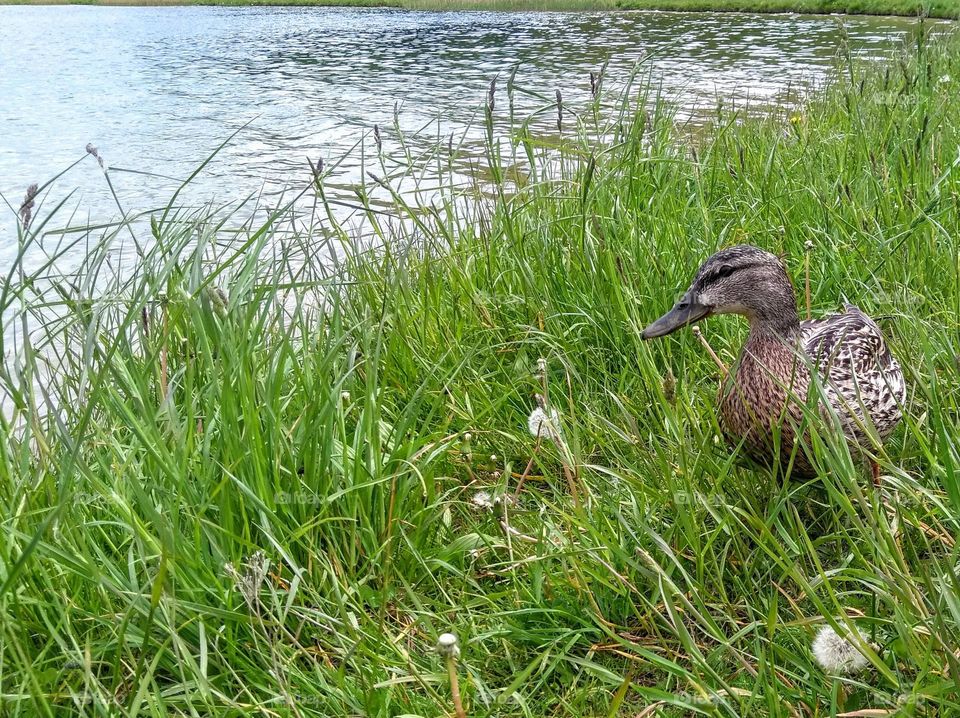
{"x": 340, "y": 419}
{"x": 949, "y": 9}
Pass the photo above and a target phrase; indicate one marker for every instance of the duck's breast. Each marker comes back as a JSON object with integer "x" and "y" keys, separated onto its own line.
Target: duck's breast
{"x": 762, "y": 400}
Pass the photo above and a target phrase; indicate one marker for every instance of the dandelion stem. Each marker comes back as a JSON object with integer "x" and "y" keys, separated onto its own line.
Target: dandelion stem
{"x": 526, "y": 471}
{"x": 571, "y": 482}
{"x": 713, "y": 355}
{"x": 455, "y": 687}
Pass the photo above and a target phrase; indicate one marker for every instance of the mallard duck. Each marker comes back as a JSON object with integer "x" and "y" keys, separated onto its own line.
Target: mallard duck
{"x": 764, "y": 396}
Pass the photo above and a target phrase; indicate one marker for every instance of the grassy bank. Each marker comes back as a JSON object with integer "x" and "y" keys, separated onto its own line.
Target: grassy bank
{"x": 238, "y": 480}
{"x": 949, "y": 9}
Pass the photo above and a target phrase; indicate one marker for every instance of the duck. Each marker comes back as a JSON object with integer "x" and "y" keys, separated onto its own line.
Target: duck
{"x": 765, "y": 396}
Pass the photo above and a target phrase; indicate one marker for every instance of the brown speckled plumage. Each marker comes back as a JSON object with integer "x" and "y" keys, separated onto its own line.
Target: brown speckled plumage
{"x": 764, "y": 400}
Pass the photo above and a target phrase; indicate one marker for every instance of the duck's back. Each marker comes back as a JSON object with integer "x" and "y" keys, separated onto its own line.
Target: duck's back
{"x": 862, "y": 380}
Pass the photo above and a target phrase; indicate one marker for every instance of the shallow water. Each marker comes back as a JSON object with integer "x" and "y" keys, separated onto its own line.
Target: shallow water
{"x": 157, "y": 89}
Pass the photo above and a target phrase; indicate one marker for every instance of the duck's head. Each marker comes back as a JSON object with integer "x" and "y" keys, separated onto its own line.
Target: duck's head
{"x": 737, "y": 280}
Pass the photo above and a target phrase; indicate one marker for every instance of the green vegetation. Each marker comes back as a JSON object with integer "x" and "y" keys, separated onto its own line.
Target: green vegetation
{"x": 936, "y": 8}
{"x": 231, "y": 392}
{"x": 930, "y": 8}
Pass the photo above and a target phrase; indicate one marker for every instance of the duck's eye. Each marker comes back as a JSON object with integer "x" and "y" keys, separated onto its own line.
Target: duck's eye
{"x": 724, "y": 270}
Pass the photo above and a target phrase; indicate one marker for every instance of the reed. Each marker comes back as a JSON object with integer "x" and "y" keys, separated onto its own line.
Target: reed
{"x": 238, "y": 476}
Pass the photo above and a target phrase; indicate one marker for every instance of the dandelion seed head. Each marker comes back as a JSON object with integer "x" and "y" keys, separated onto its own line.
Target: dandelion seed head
{"x": 482, "y": 500}
{"x": 447, "y": 645}
{"x": 836, "y": 654}
{"x": 544, "y": 423}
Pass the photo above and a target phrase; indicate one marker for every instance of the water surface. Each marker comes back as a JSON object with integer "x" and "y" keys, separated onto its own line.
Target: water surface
{"x": 156, "y": 89}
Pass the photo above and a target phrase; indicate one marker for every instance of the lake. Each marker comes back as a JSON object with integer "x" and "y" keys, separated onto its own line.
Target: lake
{"x": 157, "y": 89}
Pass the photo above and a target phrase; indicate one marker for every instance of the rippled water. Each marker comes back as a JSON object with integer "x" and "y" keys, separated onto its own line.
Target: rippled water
{"x": 156, "y": 89}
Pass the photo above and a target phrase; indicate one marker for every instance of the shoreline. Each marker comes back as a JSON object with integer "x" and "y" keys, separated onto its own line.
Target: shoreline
{"x": 940, "y": 10}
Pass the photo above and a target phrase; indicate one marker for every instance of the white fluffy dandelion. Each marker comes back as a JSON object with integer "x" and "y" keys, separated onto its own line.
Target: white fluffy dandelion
{"x": 541, "y": 371}
{"x": 447, "y": 645}
{"x": 545, "y": 424}
{"x": 837, "y": 654}
{"x": 482, "y": 501}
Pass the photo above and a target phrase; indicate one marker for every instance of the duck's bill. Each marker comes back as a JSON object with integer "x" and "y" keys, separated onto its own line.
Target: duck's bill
{"x": 677, "y": 318}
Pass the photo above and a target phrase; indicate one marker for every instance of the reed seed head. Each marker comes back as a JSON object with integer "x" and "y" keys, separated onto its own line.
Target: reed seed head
{"x": 251, "y": 580}
{"x": 91, "y": 150}
{"x": 559, "y": 112}
{"x": 218, "y": 300}
{"x": 26, "y": 209}
{"x": 669, "y": 386}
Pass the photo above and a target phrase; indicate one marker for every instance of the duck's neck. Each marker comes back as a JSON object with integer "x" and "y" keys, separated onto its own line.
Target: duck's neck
{"x": 783, "y": 328}
{"x": 775, "y": 318}
{"x": 771, "y": 348}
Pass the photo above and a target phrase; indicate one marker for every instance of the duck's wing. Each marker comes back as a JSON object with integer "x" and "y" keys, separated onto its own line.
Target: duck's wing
{"x": 862, "y": 380}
